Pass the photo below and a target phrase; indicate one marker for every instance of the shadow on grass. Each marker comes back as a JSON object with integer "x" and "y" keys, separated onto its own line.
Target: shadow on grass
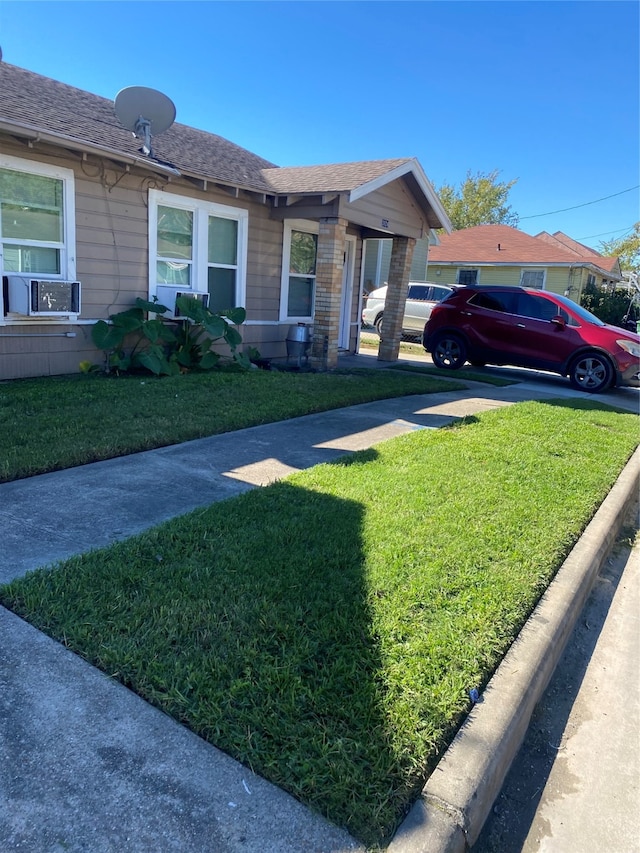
{"x": 470, "y": 375}
{"x": 256, "y": 635}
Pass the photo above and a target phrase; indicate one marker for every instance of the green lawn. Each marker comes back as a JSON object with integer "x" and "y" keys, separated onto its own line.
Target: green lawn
{"x": 326, "y": 630}
{"x": 57, "y": 422}
{"x": 462, "y": 374}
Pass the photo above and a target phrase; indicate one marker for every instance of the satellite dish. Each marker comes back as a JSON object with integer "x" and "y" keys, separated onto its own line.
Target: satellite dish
{"x": 145, "y": 112}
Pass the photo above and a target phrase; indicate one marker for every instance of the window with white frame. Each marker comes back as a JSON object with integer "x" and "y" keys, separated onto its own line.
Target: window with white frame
{"x": 198, "y": 246}
{"x": 300, "y": 249}
{"x": 37, "y": 219}
{"x": 532, "y": 278}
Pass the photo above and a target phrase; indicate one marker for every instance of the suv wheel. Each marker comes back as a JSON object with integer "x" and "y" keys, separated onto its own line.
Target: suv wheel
{"x": 591, "y": 372}
{"x": 378, "y": 325}
{"x": 448, "y": 351}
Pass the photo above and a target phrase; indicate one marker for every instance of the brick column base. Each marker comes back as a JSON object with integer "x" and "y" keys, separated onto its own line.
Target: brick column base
{"x": 397, "y": 285}
{"x": 329, "y": 268}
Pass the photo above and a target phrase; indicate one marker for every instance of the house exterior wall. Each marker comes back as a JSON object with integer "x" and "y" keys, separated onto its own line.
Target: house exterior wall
{"x": 112, "y": 250}
{"x": 391, "y": 207}
{"x": 557, "y": 279}
{"x": 111, "y": 223}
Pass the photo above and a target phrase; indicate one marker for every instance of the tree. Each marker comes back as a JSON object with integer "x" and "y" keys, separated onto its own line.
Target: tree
{"x": 480, "y": 200}
{"x": 626, "y": 248}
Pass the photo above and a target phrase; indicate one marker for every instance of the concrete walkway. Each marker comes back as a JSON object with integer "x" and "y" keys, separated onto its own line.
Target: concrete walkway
{"x": 85, "y": 765}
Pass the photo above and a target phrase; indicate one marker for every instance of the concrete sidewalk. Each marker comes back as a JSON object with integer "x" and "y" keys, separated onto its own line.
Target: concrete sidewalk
{"x": 85, "y": 765}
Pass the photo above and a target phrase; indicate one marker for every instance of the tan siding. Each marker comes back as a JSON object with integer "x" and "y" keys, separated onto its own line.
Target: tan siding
{"x": 392, "y": 202}
{"x": 264, "y": 266}
{"x": 112, "y": 263}
{"x": 44, "y": 350}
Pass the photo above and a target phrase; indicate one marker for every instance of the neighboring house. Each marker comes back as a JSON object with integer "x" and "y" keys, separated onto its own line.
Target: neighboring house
{"x": 80, "y": 201}
{"x": 499, "y": 254}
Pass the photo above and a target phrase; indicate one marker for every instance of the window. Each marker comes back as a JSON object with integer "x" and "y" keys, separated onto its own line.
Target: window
{"x": 174, "y": 259}
{"x": 419, "y": 292}
{"x": 223, "y": 263}
{"x": 495, "y": 301}
{"x": 537, "y": 307}
{"x": 532, "y": 278}
{"x": 299, "y": 271}
{"x": 198, "y": 246}
{"x": 439, "y": 292}
{"x": 467, "y": 277}
{"x": 37, "y": 221}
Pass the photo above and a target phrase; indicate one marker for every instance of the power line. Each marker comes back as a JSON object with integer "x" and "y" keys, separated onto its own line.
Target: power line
{"x": 575, "y": 207}
{"x": 623, "y": 231}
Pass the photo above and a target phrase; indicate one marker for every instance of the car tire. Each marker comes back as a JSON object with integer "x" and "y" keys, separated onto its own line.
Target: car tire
{"x": 448, "y": 351}
{"x": 378, "y": 325}
{"x": 592, "y": 372}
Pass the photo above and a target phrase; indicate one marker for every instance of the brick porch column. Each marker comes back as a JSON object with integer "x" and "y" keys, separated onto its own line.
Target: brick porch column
{"x": 329, "y": 268}
{"x": 399, "y": 274}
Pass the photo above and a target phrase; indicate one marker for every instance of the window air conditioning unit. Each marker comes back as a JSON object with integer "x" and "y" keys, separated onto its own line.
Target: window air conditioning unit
{"x": 34, "y": 297}
{"x": 167, "y": 296}
{"x": 202, "y": 298}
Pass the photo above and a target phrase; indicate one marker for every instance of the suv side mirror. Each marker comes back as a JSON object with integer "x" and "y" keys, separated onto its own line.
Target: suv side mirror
{"x": 559, "y": 321}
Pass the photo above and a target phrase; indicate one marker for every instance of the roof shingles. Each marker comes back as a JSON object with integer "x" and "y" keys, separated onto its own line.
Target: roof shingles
{"x": 502, "y": 244}
{"x": 31, "y": 100}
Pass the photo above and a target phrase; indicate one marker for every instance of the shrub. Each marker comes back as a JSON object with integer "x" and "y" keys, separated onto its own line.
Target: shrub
{"x": 611, "y": 306}
{"x": 132, "y": 340}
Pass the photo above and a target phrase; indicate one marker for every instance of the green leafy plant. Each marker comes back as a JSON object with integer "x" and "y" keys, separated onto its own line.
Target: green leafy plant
{"x": 613, "y": 306}
{"x": 142, "y": 338}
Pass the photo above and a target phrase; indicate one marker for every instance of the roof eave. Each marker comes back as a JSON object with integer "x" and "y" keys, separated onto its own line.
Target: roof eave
{"x": 35, "y": 134}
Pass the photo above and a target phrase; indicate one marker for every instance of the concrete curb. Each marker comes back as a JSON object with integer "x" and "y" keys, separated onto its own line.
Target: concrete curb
{"x": 460, "y": 793}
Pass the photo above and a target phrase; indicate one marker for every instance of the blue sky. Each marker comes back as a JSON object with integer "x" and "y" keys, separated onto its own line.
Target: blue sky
{"x": 544, "y": 92}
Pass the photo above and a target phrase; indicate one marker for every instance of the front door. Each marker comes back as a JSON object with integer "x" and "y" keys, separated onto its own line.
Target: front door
{"x": 347, "y": 294}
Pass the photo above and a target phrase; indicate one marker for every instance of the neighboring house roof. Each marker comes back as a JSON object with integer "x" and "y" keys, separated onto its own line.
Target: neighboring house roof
{"x": 40, "y": 107}
{"x": 605, "y": 262}
{"x": 504, "y": 245}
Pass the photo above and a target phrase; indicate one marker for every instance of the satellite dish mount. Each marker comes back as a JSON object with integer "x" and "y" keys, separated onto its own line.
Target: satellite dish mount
{"x": 143, "y": 131}
{"x": 145, "y": 112}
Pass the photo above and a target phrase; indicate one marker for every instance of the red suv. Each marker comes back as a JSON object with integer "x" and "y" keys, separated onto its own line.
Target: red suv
{"x": 486, "y": 324}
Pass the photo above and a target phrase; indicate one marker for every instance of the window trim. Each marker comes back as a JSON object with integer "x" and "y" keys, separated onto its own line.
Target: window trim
{"x": 543, "y": 270}
{"x": 307, "y": 227}
{"x": 468, "y": 269}
{"x": 68, "y": 246}
{"x": 200, "y": 263}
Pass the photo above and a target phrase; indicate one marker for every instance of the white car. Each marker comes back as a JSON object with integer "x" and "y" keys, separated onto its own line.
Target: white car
{"x": 421, "y": 298}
